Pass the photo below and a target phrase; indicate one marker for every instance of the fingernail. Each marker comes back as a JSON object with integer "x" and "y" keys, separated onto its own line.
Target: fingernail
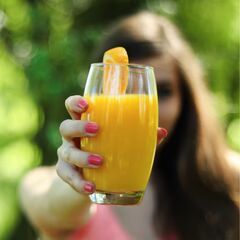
{"x": 89, "y": 187}
{"x": 82, "y": 103}
{"x": 164, "y": 132}
{"x": 95, "y": 160}
{"x": 91, "y": 127}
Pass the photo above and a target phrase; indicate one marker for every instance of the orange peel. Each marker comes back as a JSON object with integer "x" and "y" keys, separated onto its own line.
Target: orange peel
{"x": 115, "y": 78}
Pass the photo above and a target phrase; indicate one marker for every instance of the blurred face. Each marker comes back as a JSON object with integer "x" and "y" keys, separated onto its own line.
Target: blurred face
{"x": 169, "y": 95}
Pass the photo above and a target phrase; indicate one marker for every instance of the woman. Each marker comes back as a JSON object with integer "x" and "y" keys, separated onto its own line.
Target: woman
{"x": 194, "y": 176}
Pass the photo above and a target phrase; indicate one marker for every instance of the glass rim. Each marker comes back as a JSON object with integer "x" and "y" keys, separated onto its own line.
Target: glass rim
{"x": 131, "y": 66}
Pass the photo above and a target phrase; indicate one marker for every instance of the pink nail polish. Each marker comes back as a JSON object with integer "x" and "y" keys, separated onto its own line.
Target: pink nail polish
{"x": 94, "y": 160}
{"x": 89, "y": 188}
{"x": 91, "y": 127}
{"x": 164, "y": 132}
{"x": 82, "y": 103}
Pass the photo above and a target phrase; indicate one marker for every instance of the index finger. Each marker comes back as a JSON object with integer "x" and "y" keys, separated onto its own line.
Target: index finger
{"x": 75, "y": 106}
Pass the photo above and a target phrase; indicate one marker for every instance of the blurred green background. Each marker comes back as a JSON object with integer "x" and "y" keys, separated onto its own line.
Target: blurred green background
{"x": 45, "y": 50}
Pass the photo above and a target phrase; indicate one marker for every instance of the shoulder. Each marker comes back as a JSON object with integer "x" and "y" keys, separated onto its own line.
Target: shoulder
{"x": 102, "y": 225}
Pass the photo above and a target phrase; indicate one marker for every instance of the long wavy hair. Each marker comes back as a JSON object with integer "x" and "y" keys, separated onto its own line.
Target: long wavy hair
{"x": 196, "y": 191}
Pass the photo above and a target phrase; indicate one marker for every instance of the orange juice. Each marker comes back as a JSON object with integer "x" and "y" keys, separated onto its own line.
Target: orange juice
{"x": 126, "y": 140}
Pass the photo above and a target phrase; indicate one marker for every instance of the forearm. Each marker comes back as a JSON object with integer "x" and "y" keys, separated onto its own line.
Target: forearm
{"x": 52, "y": 206}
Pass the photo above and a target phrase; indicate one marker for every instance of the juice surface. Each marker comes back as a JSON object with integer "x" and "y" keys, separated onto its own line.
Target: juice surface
{"x": 126, "y": 140}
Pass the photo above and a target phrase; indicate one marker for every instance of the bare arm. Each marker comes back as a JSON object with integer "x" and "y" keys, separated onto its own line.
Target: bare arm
{"x": 52, "y": 206}
{"x": 55, "y": 198}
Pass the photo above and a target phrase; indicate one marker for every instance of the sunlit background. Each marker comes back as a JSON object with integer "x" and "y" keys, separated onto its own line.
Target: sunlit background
{"x": 45, "y": 51}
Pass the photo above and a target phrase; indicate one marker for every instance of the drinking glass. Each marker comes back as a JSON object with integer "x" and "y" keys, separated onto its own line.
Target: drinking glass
{"x": 128, "y": 119}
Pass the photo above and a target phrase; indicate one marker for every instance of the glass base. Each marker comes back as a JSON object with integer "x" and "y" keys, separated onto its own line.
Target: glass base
{"x": 131, "y": 198}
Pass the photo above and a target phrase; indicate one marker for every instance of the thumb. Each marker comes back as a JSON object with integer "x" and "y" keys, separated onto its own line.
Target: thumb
{"x": 161, "y": 134}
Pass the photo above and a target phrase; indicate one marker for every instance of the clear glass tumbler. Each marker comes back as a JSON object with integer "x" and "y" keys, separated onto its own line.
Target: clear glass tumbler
{"x": 123, "y": 102}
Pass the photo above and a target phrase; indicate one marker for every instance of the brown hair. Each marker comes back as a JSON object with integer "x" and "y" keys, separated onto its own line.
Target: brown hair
{"x": 195, "y": 188}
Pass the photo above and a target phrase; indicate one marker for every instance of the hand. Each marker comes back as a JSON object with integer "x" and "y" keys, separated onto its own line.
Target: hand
{"x": 71, "y": 160}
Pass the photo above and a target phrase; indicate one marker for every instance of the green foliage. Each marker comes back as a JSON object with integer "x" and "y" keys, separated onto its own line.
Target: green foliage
{"x": 45, "y": 51}
{"x": 19, "y": 122}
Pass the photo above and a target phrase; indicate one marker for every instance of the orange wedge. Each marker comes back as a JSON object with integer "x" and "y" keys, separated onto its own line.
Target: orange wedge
{"x": 115, "y": 78}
